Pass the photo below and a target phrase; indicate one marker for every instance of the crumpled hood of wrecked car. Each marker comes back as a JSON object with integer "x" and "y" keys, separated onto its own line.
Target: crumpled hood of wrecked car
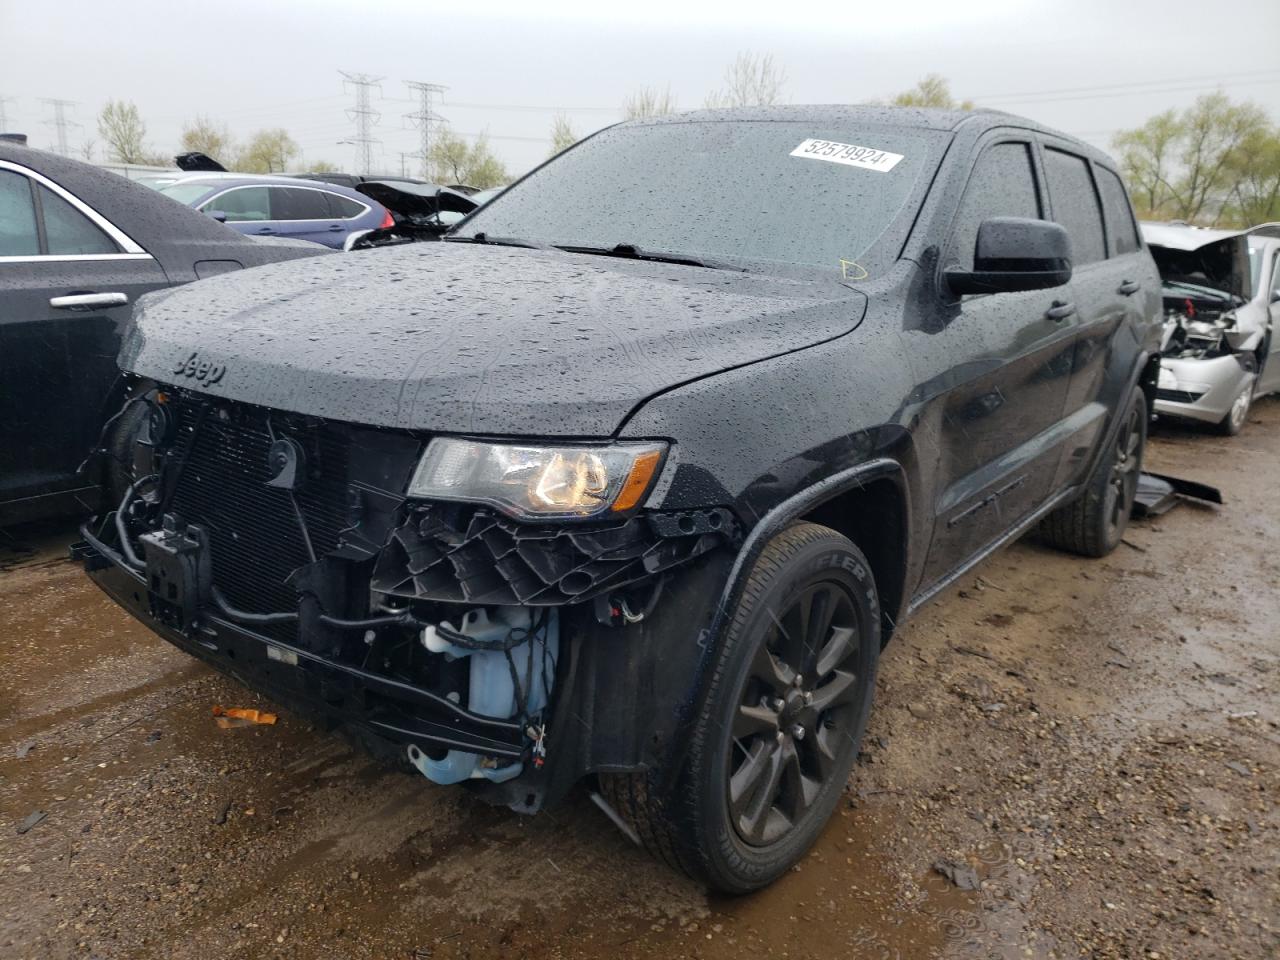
{"x": 466, "y": 338}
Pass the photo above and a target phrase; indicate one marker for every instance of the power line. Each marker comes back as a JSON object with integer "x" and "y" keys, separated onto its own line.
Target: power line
{"x": 364, "y": 115}
{"x": 1213, "y": 78}
{"x": 60, "y": 123}
{"x": 528, "y": 107}
{"x": 423, "y": 119}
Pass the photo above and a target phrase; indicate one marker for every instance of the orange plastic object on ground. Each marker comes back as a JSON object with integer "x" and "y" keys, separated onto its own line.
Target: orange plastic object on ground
{"x": 240, "y": 717}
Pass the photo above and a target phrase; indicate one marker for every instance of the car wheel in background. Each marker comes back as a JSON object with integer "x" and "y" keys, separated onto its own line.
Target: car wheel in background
{"x": 1093, "y": 524}
{"x": 1238, "y": 415}
{"x": 781, "y": 724}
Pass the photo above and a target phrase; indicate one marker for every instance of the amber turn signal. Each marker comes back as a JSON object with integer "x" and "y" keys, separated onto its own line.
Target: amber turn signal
{"x": 638, "y": 481}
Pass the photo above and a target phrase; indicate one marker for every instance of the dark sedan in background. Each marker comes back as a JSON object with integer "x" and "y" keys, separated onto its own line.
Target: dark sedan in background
{"x": 78, "y": 245}
{"x": 260, "y": 206}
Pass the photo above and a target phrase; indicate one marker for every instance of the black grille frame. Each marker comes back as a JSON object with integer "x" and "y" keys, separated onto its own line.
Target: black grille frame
{"x": 256, "y": 542}
{"x": 463, "y": 554}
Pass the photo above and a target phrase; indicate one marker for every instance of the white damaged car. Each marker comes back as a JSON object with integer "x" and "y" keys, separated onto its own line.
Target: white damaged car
{"x": 1221, "y": 292}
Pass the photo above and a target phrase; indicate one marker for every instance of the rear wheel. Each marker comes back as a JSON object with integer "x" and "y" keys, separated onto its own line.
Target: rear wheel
{"x": 1093, "y": 524}
{"x": 785, "y": 712}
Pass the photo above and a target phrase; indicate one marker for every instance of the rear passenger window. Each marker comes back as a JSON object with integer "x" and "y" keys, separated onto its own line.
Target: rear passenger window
{"x": 243, "y": 203}
{"x": 1075, "y": 204}
{"x": 1002, "y": 184}
{"x": 68, "y": 232}
{"x": 343, "y": 207}
{"x": 294, "y": 203}
{"x": 1115, "y": 201}
{"x": 18, "y": 235}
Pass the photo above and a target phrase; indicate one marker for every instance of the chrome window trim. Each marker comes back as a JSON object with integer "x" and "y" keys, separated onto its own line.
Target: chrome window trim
{"x": 74, "y": 257}
{"x": 130, "y": 250}
{"x": 286, "y": 186}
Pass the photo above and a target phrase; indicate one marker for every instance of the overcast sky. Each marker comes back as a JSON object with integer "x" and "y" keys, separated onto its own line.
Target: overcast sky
{"x": 1089, "y": 67}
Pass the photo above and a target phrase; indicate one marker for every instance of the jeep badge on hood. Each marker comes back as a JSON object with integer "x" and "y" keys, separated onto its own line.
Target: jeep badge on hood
{"x": 200, "y": 370}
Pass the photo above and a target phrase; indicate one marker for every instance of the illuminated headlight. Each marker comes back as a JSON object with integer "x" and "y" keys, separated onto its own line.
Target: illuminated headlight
{"x": 538, "y": 482}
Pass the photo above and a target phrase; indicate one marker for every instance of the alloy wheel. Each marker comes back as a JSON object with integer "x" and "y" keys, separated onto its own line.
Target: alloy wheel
{"x": 1125, "y": 468}
{"x": 797, "y": 712}
{"x": 1240, "y": 409}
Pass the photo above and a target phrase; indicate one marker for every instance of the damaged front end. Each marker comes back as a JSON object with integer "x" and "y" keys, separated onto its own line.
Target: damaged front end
{"x": 510, "y": 653}
{"x": 1211, "y": 344}
{"x": 419, "y": 211}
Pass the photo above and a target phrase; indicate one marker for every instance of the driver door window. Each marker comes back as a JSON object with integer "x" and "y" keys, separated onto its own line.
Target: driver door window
{"x": 1002, "y": 185}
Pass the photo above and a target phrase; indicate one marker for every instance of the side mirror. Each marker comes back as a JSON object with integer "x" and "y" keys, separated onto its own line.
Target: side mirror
{"x": 1013, "y": 254}
{"x": 218, "y": 215}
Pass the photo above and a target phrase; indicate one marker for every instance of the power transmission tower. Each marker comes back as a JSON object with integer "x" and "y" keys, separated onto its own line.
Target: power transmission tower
{"x": 424, "y": 118}
{"x": 4, "y": 117}
{"x": 60, "y": 123}
{"x": 365, "y": 116}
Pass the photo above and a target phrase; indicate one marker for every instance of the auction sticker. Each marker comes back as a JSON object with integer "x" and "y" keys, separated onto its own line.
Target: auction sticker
{"x": 851, "y": 155}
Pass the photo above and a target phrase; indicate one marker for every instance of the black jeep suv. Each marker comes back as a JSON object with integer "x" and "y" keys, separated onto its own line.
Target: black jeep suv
{"x": 632, "y": 478}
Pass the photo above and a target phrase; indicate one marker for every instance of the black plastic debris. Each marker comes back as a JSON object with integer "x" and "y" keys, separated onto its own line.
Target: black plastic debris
{"x": 31, "y": 820}
{"x": 1158, "y": 494}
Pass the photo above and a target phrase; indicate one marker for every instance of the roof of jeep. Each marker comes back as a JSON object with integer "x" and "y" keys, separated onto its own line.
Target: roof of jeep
{"x": 838, "y": 113}
{"x": 929, "y": 117}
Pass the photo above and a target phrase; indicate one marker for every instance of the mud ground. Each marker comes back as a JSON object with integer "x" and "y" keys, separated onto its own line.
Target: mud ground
{"x": 1093, "y": 744}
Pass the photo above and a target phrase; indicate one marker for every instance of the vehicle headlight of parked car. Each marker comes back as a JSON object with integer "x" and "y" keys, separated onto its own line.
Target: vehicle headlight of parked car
{"x": 528, "y": 482}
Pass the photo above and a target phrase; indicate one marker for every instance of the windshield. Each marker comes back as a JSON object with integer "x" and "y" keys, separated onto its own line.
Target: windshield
{"x": 186, "y": 193}
{"x": 784, "y": 194}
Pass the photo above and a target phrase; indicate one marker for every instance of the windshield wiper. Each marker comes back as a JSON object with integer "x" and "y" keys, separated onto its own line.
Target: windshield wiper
{"x": 629, "y": 251}
{"x": 484, "y": 238}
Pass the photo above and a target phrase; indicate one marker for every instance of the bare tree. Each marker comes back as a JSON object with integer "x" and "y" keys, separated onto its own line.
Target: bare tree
{"x": 933, "y": 91}
{"x": 122, "y": 128}
{"x": 752, "y": 80}
{"x": 268, "y": 151}
{"x": 212, "y": 139}
{"x": 454, "y": 161}
{"x": 562, "y": 134}
{"x": 648, "y": 102}
{"x": 88, "y": 148}
{"x": 1146, "y": 159}
{"x": 1214, "y": 128}
{"x": 1255, "y": 168}
{"x": 1200, "y": 164}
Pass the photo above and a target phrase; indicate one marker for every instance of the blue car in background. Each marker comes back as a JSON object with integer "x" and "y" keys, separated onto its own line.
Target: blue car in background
{"x": 264, "y": 206}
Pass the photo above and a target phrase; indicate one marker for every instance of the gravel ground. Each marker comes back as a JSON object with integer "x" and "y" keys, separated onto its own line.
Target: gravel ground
{"x": 1066, "y": 758}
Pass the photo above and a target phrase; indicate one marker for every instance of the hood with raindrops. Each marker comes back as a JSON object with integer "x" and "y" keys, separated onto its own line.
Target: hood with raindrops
{"x": 465, "y": 338}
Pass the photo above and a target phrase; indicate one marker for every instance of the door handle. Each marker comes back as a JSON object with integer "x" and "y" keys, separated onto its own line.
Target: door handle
{"x": 265, "y": 231}
{"x": 336, "y": 228}
{"x": 1060, "y": 310}
{"x": 88, "y": 301}
{"x": 1129, "y": 287}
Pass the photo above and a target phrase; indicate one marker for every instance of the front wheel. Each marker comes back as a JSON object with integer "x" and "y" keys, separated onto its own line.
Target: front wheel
{"x": 1093, "y": 524}
{"x": 781, "y": 724}
{"x": 1238, "y": 415}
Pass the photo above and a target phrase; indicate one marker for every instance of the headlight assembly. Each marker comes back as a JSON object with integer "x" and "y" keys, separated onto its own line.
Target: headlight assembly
{"x": 538, "y": 482}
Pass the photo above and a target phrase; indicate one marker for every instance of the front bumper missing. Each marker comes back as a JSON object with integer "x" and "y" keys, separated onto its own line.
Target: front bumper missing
{"x": 393, "y": 711}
